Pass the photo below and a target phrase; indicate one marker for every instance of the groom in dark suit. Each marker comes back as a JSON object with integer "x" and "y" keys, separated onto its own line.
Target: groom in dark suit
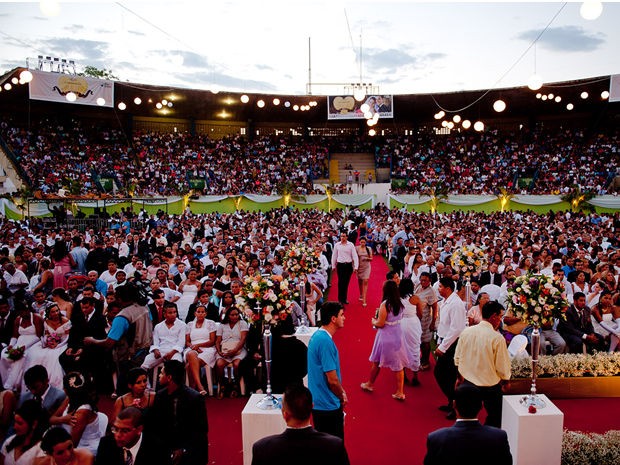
{"x": 467, "y": 441}
{"x": 128, "y": 444}
{"x": 300, "y": 440}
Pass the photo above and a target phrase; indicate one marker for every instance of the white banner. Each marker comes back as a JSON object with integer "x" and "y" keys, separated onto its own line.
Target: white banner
{"x": 614, "y": 88}
{"x": 262, "y": 198}
{"x": 209, "y": 198}
{"x": 465, "y": 200}
{"x": 353, "y": 200}
{"x": 54, "y": 87}
{"x": 536, "y": 199}
{"x": 410, "y": 199}
{"x": 606, "y": 201}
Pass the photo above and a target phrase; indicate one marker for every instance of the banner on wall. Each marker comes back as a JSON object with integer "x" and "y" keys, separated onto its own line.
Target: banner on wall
{"x": 346, "y": 107}
{"x": 614, "y": 88}
{"x": 54, "y": 87}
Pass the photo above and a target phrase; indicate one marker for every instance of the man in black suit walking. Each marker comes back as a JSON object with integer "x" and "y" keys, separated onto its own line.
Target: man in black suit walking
{"x": 127, "y": 443}
{"x": 300, "y": 440}
{"x": 467, "y": 441}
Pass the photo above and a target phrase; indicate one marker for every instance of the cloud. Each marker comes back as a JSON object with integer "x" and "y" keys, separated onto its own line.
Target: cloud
{"x": 189, "y": 59}
{"x": 391, "y": 60}
{"x": 263, "y": 67}
{"x": 565, "y": 39}
{"x": 226, "y": 81}
{"x": 137, "y": 33}
{"x": 85, "y": 50}
{"x": 74, "y": 28}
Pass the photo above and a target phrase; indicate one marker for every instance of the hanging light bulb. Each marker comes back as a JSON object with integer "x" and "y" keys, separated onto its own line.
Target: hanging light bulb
{"x": 276, "y": 101}
{"x": 456, "y": 118}
{"x": 479, "y": 126}
{"x": 538, "y": 95}
{"x": 365, "y": 108}
{"x": 570, "y": 106}
{"x": 245, "y": 99}
{"x": 158, "y": 105}
{"x": 440, "y": 115}
{"x": 450, "y": 125}
{"x": 359, "y": 94}
{"x": 535, "y": 82}
{"x": 372, "y": 132}
{"x": 260, "y": 103}
{"x": 605, "y": 95}
{"x": 122, "y": 106}
{"x": 444, "y": 124}
{"x": 558, "y": 99}
{"x": 71, "y": 97}
{"x": 101, "y": 101}
{"x": 25, "y": 76}
{"x": 499, "y": 106}
{"x": 584, "y": 95}
{"x": 591, "y": 10}
{"x": 550, "y": 96}
{"x": 466, "y": 124}
{"x": 137, "y": 100}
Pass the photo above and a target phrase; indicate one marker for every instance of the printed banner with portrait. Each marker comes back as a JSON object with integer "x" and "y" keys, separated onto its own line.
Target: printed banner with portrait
{"x": 346, "y": 107}
{"x": 54, "y": 87}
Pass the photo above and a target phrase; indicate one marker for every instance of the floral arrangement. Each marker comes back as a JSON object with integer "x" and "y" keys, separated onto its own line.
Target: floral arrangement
{"x": 267, "y": 299}
{"x": 537, "y": 299}
{"x": 15, "y": 353}
{"x": 52, "y": 339}
{"x": 579, "y": 448}
{"x": 301, "y": 259}
{"x": 568, "y": 365}
{"x": 468, "y": 260}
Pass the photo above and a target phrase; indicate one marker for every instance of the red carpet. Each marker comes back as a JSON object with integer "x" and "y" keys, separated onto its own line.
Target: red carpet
{"x": 378, "y": 429}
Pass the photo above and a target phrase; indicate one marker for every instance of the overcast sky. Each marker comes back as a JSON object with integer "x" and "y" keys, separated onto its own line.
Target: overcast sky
{"x": 262, "y": 45}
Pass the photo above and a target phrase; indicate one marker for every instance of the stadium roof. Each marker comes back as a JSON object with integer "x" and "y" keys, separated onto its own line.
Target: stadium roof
{"x": 415, "y": 109}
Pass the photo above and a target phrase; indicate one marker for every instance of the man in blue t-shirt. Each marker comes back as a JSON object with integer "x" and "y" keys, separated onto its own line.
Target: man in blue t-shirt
{"x": 324, "y": 380}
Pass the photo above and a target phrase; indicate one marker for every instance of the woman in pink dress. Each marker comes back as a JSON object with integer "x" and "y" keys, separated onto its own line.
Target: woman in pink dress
{"x": 63, "y": 263}
{"x": 389, "y": 350}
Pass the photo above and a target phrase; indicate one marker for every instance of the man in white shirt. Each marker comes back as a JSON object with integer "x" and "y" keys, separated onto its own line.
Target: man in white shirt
{"x": 452, "y": 322}
{"x": 345, "y": 261}
{"x": 168, "y": 339}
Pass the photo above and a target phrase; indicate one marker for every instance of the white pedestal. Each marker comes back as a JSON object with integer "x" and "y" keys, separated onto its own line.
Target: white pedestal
{"x": 535, "y": 438}
{"x": 257, "y": 424}
{"x": 305, "y": 338}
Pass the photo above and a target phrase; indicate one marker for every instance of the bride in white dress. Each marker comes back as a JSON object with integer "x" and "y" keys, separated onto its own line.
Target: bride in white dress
{"x": 189, "y": 289}
{"x": 27, "y": 331}
{"x": 54, "y": 342}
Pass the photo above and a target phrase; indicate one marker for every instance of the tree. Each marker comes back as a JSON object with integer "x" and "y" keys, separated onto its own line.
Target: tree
{"x": 437, "y": 193}
{"x": 94, "y": 72}
{"x": 578, "y": 199}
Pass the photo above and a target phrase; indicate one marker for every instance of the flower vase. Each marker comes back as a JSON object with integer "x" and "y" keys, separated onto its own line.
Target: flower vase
{"x": 303, "y": 328}
{"x": 467, "y": 293}
{"x": 269, "y": 402}
{"x": 532, "y": 399}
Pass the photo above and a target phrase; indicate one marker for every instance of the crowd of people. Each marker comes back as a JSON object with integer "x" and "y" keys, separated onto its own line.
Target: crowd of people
{"x": 547, "y": 161}
{"x": 69, "y": 158}
{"x": 72, "y": 159}
{"x": 107, "y": 306}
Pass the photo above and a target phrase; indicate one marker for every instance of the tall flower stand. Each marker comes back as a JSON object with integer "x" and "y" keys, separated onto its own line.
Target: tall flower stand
{"x": 269, "y": 402}
{"x": 535, "y": 438}
{"x": 533, "y": 400}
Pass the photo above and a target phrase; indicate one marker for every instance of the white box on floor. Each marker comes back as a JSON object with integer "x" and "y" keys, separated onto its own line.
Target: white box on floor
{"x": 535, "y": 438}
{"x": 257, "y": 424}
